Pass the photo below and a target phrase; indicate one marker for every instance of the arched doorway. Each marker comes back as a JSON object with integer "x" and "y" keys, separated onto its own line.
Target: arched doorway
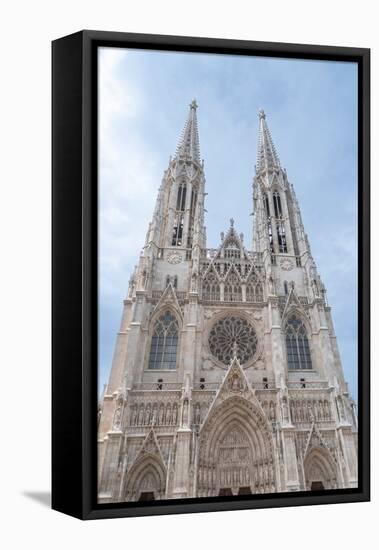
{"x": 234, "y": 462}
{"x": 235, "y": 451}
{"x": 146, "y": 480}
{"x": 320, "y": 470}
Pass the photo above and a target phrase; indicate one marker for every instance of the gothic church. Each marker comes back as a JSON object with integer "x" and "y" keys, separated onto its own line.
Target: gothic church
{"x": 226, "y": 377}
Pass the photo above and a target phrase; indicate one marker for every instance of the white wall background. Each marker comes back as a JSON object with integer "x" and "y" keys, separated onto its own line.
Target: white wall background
{"x": 27, "y": 29}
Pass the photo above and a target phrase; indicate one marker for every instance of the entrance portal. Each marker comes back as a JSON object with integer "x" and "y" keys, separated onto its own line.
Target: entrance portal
{"x": 320, "y": 470}
{"x": 235, "y": 452}
{"x": 146, "y": 495}
{"x": 317, "y": 486}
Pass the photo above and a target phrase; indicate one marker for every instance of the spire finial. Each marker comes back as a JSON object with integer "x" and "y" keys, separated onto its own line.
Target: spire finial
{"x": 193, "y": 104}
{"x": 231, "y": 222}
{"x": 261, "y": 113}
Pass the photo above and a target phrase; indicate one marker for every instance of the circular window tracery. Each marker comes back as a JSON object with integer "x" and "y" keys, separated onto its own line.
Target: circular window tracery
{"x": 233, "y": 336}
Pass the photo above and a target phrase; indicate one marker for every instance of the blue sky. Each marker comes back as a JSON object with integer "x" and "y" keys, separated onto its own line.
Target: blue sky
{"x": 311, "y": 109}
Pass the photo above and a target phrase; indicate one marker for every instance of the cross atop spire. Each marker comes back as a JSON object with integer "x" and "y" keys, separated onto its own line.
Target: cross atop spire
{"x": 267, "y": 158}
{"x": 193, "y": 104}
{"x": 188, "y": 145}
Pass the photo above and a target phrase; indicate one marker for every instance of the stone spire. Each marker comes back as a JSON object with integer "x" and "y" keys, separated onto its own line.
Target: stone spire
{"x": 178, "y": 219}
{"x": 267, "y": 158}
{"x": 188, "y": 145}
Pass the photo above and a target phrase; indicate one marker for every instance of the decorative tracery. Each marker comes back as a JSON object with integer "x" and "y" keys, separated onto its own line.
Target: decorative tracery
{"x": 320, "y": 470}
{"x": 298, "y": 352}
{"x": 235, "y": 452}
{"x": 146, "y": 480}
{"x": 233, "y": 336}
{"x": 211, "y": 287}
{"x": 232, "y": 250}
{"x": 254, "y": 290}
{"x": 164, "y": 343}
{"x": 232, "y": 288}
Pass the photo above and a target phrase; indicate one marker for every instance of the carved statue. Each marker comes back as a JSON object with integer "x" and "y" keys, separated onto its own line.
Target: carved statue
{"x": 117, "y": 419}
{"x": 285, "y": 409}
{"x": 161, "y": 414}
{"x": 168, "y": 414}
{"x": 197, "y": 414}
{"x": 194, "y": 282}
{"x": 271, "y": 285}
{"x": 147, "y": 418}
{"x": 141, "y": 415}
{"x": 175, "y": 415}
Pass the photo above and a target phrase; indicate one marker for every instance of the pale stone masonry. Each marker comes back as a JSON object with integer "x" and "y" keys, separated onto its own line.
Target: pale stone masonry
{"x": 226, "y": 377}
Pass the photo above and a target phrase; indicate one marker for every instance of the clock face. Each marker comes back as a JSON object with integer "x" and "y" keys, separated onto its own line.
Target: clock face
{"x": 174, "y": 258}
{"x": 233, "y": 336}
{"x": 286, "y": 264}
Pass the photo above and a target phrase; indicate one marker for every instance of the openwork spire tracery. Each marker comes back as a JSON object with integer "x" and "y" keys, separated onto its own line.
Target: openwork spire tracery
{"x": 188, "y": 145}
{"x": 232, "y": 275}
{"x": 267, "y": 158}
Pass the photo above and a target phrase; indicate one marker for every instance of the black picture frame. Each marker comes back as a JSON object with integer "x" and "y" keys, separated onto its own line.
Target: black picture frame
{"x": 74, "y": 272}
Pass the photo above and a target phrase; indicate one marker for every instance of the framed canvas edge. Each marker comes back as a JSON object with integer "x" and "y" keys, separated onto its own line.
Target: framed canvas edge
{"x": 83, "y": 378}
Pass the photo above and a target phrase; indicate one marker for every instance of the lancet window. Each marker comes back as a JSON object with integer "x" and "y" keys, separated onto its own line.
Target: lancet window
{"x": 277, "y": 205}
{"x": 181, "y": 198}
{"x": 232, "y": 289}
{"x": 298, "y": 352}
{"x": 266, "y": 204}
{"x": 232, "y": 251}
{"x": 177, "y": 233}
{"x": 211, "y": 287}
{"x": 164, "y": 343}
{"x": 271, "y": 241}
{"x": 282, "y": 241}
{"x": 254, "y": 291}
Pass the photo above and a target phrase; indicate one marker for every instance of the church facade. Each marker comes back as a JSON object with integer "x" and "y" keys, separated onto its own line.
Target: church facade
{"x": 226, "y": 377}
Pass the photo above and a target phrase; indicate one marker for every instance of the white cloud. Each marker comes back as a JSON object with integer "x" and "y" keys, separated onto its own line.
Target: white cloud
{"x": 128, "y": 175}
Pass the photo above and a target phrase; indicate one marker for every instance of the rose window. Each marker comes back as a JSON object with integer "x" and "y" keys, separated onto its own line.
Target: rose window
{"x": 233, "y": 336}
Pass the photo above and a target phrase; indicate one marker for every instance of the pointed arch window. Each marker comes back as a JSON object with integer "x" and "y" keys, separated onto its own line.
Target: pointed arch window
{"x": 271, "y": 241}
{"x": 211, "y": 288}
{"x": 277, "y": 205}
{"x": 181, "y": 198}
{"x": 164, "y": 343}
{"x": 267, "y": 205}
{"x": 298, "y": 352}
{"x": 177, "y": 233}
{"x": 254, "y": 290}
{"x": 232, "y": 289}
{"x": 232, "y": 250}
{"x": 282, "y": 241}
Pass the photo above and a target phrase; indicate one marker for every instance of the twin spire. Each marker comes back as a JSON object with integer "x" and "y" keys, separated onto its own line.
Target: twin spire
{"x": 267, "y": 158}
{"x": 189, "y": 147}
